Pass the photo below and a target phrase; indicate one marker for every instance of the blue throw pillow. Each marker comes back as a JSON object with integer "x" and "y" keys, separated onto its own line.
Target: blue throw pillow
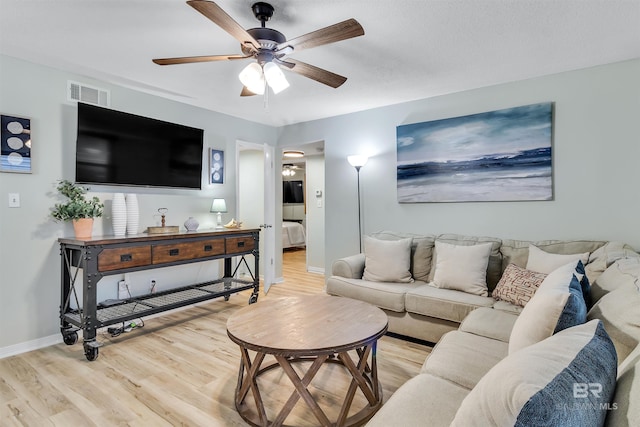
{"x": 581, "y": 394}
{"x": 575, "y": 310}
{"x": 586, "y": 286}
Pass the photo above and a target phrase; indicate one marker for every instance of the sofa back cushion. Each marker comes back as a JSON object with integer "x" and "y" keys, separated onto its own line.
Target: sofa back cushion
{"x": 626, "y": 400}
{"x": 566, "y": 380}
{"x": 619, "y": 311}
{"x": 421, "y": 251}
{"x": 494, "y": 267}
{"x": 517, "y": 251}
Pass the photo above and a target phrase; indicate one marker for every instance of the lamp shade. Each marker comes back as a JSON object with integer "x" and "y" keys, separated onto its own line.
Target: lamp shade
{"x": 275, "y": 77}
{"x": 251, "y": 76}
{"x": 357, "y": 161}
{"x": 219, "y": 205}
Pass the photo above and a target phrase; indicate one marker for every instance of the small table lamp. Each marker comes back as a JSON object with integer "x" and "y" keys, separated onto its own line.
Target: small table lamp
{"x": 219, "y": 206}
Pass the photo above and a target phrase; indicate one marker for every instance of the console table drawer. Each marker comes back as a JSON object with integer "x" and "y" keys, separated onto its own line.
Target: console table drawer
{"x": 117, "y": 258}
{"x": 186, "y": 251}
{"x": 236, "y": 245}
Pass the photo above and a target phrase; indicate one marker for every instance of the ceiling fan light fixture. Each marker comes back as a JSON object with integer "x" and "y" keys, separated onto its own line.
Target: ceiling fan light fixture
{"x": 275, "y": 77}
{"x": 252, "y": 78}
{"x": 293, "y": 153}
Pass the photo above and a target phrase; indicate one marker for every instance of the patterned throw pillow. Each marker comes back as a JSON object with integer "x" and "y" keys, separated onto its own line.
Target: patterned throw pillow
{"x": 517, "y": 285}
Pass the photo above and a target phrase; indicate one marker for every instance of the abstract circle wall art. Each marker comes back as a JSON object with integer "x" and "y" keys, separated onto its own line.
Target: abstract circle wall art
{"x": 15, "y": 144}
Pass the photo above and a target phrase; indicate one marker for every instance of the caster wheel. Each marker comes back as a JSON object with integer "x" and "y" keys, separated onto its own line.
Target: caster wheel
{"x": 91, "y": 353}
{"x": 226, "y": 297}
{"x": 253, "y": 299}
{"x": 70, "y": 338}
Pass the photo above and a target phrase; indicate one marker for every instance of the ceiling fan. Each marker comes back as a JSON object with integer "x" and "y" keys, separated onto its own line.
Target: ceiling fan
{"x": 270, "y": 49}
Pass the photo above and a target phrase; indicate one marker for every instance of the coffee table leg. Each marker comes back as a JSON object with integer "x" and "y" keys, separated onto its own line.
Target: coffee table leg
{"x": 301, "y": 390}
{"x": 370, "y": 390}
{"x": 248, "y": 381}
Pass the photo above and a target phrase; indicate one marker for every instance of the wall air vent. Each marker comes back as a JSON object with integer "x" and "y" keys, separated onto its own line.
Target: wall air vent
{"x": 88, "y": 94}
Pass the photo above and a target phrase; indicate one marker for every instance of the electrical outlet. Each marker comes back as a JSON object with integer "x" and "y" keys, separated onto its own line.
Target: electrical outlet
{"x": 152, "y": 287}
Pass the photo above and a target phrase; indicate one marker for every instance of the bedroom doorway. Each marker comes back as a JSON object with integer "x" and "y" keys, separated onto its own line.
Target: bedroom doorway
{"x": 303, "y": 204}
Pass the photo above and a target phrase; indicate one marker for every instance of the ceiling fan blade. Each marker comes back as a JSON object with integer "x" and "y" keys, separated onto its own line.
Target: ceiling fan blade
{"x": 191, "y": 59}
{"x": 331, "y": 34}
{"x": 246, "y": 92}
{"x": 224, "y": 21}
{"x": 318, "y": 74}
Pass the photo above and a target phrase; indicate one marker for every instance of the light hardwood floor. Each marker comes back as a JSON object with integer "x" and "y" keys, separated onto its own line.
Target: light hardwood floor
{"x": 180, "y": 369}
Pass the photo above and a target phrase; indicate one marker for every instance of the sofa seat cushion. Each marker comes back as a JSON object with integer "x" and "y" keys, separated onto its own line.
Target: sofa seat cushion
{"x": 388, "y": 295}
{"x": 508, "y": 307}
{"x": 464, "y": 358}
{"x": 489, "y": 323}
{"x": 424, "y": 400}
{"x": 444, "y": 304}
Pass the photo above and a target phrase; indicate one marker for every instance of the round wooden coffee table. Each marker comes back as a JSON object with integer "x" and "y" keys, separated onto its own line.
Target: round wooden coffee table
{"x": 318, "y": 329}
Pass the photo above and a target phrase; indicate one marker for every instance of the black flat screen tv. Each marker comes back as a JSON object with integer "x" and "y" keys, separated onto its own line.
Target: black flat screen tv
{"x": 292, "y": 192}
{"x": 117, "y": 148}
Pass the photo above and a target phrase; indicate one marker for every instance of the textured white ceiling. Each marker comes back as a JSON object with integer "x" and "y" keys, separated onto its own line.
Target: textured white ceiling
{"x": 411, "y": 49}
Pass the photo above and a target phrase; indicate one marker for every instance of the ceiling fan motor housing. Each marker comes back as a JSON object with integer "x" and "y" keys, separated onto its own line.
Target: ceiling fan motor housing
{"x": 268, "y": 38}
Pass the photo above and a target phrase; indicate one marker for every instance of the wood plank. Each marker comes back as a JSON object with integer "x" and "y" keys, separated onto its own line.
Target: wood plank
{"x": 181, "y": 368}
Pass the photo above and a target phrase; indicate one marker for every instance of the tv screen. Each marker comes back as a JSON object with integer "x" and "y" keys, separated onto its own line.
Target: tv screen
{"x": 117, "y": 148}
{"x": 292, "y": 192}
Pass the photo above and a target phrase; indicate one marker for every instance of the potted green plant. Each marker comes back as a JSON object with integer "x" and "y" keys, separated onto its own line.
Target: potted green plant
{"x": 78, "y": 209}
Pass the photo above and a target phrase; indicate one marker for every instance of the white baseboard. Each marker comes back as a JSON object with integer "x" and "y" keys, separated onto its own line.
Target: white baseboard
{"x": 317, "y": 270}
{"x": 24, "y": 347}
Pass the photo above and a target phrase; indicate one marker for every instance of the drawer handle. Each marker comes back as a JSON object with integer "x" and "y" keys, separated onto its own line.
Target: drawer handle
{"x": 174, "y": 252}
{"x": 126, "y": 257}
{"x": 241, "y": 244}
{"x": 208, "y": 248}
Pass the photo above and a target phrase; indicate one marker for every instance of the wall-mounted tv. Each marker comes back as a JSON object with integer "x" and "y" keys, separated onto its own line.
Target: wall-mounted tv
{"x": 292, "y": 192}
{"x": 118, "y": 148}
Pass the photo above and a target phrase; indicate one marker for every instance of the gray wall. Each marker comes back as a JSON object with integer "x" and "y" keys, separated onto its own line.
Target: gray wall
{"x": 596, "y": 152}
{"x": 29, "y": 253}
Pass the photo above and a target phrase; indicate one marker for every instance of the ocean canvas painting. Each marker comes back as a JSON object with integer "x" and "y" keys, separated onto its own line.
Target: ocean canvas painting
{"x": 502, "y": 155}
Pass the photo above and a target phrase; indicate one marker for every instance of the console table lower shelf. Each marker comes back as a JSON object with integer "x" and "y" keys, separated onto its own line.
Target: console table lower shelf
{"x": 93, "y": 259}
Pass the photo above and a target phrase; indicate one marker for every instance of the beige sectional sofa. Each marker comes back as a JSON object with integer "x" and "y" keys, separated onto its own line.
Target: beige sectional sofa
{"x": 472, "y": 360}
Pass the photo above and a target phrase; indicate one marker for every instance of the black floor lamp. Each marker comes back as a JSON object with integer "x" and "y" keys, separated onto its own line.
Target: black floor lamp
{"x": 358, "y": 162}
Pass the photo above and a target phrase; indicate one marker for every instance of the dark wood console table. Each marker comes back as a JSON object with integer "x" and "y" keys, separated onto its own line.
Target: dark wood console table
{"x": 96, "y": 257}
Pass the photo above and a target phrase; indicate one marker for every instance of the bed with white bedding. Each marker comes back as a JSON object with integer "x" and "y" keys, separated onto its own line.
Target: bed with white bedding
{"x": 293, "y": 235}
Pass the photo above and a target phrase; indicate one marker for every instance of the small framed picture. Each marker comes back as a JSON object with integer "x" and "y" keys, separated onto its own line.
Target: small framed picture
{"x": 216, "y": 166}
{"x": 15, "y": 144}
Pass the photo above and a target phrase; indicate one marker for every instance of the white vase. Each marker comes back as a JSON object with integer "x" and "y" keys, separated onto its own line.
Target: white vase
{"x": 133, "y": 214}
{"x": 191, "y": 224}
{"x": 119, "y": 214}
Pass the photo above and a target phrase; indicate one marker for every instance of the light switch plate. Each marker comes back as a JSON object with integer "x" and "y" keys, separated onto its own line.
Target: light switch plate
{"x": 14, "y": 200}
